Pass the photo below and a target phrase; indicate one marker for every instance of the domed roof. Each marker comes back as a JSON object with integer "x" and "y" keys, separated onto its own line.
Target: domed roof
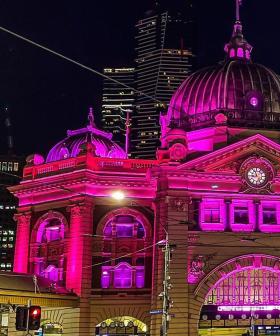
{"x": 232, "y": 85}
{"x": 245, "y": 92}
{"x": 71, "y": 145}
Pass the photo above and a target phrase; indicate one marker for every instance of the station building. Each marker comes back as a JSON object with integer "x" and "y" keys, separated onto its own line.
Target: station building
{"x": 214, "y": 187}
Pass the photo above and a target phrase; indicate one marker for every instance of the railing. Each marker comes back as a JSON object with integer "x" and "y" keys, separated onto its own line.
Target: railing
{"x": 245, "y": 118}
{"x": 87, "y": 162}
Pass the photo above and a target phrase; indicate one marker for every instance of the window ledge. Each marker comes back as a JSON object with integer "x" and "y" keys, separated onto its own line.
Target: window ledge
{"x": 268, "y": 228}
{"x": 243, "y": 227}
{"x": 121, "y": 292}
{"x": 212, "y": 226}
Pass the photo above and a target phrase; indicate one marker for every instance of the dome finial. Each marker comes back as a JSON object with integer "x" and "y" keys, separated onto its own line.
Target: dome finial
{"x": 91, "y": 117}
{"x": 238, "y": 4}
{"x": 238, "y": 47}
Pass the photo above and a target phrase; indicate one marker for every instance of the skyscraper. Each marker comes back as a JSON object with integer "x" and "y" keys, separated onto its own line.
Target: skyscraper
{"x": 11, "y": 167}
{"x": 116, "y": 100}
{"x": 164, "y": 39}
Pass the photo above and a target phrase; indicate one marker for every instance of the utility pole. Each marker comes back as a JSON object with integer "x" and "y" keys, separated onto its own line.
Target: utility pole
{"x": 167, "y": 302}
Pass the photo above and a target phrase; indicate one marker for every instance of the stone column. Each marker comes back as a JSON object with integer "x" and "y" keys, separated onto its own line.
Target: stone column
{"x": 227, "y": 206}
{"x": 22, "y": 242}
{"x": 257, "y": 214}
{"x": 79, "y": 261}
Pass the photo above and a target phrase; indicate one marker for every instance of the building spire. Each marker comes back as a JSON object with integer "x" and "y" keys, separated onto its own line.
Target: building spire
{"x": 238, "y": 48}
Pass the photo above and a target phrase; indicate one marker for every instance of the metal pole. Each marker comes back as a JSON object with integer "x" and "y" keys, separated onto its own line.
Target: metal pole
{"x": 27, "y": 327}
{"x": 166, "y": 286}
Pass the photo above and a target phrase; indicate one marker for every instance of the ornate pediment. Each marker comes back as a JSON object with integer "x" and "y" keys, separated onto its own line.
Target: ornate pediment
{"x": 230, "y": 158}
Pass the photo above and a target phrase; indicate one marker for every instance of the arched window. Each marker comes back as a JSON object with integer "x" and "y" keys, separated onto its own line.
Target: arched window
{"x": 48, "y": 253}
{"x": 125, "y": 231}
{"x": 124, "y": 226}
{"x": 240, "y": 52}
{"x": 50, "y": 229}
{"x": 64, "y": 153}
{"x": 232, "y": 53}
{"x": 51, "y": 273}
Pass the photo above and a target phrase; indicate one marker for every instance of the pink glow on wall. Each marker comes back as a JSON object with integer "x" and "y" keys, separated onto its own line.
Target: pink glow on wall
{"x": 22, "y": 243}
{"x": 74, "y": 275}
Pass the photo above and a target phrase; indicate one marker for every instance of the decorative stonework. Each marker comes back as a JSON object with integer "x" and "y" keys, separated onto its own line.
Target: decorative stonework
{"x": 22, "y": 218}
{"x": 178, "y": 152}
{"x": 198, "y": 268}
{"x": 179, "y": 204}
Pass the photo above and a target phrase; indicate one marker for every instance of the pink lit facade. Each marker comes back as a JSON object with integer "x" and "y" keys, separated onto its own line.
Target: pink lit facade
{"x": 214, "y": 186}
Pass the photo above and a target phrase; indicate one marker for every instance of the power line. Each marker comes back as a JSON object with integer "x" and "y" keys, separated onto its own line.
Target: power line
{"x": 38, "y": 45}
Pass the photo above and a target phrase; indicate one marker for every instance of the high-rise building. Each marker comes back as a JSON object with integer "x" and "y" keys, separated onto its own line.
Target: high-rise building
{"x": 11, "y": 167}
{"x": 116, "y": 100}
{"x": 163, "y": 60}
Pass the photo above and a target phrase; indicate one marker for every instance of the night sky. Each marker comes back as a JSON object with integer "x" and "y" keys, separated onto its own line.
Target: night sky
{"x": 46, "y": 95}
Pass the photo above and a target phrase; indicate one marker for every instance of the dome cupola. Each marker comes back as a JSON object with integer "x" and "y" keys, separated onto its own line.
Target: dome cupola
{"x": 76, "y": 139}
{"x": 246, "y": 93}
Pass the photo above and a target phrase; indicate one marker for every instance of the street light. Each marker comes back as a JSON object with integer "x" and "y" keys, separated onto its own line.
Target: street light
{"x": 118, "y": 195}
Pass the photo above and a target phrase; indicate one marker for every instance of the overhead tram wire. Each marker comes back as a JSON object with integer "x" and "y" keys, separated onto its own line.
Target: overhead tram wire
{"x": 96, "y": 72}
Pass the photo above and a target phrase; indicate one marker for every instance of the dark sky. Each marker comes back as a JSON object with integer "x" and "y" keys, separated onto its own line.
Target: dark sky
{"x": 47, "y": 95}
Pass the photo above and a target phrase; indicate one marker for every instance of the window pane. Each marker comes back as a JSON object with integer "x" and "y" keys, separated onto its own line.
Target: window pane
{"x": 140, "y": 231}
{"x": 269, "y": 215}
{"x": 124, "y": 230}
{"x": 108, "y": 230}
{"x": 122, "y": 276}
{"x": 105, "y": 278}
{"x": 241, "y": 215}
{"x": 212, "y": 215}
{"x": 140, "y": 278}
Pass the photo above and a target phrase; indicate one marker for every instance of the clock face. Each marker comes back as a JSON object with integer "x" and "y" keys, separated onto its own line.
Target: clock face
{"x": 256, "y": 176}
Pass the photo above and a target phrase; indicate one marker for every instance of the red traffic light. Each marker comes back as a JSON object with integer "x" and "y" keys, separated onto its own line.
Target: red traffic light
{"x": 34, "y": 317}
{"x": 35, "y": 312}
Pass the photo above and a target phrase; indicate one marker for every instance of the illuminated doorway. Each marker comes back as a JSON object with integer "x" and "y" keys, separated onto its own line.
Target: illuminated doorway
{"x": 121, "y": 325}
{"x": 243, "y": 300}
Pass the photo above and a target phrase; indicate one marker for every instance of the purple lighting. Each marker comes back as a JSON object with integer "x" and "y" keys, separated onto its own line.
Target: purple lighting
{"x": 254, "y": 101}
{"x": 248, "y": 308}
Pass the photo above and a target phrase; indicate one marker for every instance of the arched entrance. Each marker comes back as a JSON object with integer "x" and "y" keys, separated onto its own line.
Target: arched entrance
{"x": 121, "y": 325}
{"x": 241, "y": 297}
{"x": 49, "y": 328}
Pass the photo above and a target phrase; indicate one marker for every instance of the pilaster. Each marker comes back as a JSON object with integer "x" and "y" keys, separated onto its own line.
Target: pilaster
{"x": 22, "y": 242}
{"x": 79, "y": 259}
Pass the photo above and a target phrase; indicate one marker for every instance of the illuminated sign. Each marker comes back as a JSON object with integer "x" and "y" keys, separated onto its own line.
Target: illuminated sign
{"x": 248, "y": 308}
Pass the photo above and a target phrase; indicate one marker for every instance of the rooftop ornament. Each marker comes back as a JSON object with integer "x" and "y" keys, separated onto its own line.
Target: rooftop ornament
{"x": 238, "y": 47}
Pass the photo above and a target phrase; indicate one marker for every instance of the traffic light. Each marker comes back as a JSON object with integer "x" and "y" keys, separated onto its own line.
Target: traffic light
{"x": 21, "y": 318}
{"x": 34, "y": 317}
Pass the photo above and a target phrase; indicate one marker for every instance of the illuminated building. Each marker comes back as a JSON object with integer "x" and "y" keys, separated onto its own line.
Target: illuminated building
{"x": 116, "y": 101}
{"x": 163, "y": 60}
{"x": 90, "y": 220}
{"x": 11, "y": 167}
